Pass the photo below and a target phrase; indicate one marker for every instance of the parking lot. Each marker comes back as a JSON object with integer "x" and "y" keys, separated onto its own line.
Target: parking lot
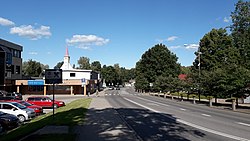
{"x": 66, "y": 98}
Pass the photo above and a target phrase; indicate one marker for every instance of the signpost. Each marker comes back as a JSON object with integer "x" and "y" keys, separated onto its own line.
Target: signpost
{"x": 53, "y": 76}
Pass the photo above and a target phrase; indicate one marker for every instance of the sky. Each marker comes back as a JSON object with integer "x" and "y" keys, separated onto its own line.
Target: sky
{"x": 110, "y": 31}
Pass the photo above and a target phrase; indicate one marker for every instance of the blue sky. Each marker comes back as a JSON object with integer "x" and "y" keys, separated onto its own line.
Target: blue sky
{"x": 110, "y": 31}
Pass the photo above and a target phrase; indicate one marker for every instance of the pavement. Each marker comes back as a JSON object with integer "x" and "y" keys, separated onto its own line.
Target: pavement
{"x": 103, "y": 123}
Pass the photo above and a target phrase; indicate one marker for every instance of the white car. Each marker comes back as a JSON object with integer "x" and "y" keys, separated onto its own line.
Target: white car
{"x": 17, "y": 109}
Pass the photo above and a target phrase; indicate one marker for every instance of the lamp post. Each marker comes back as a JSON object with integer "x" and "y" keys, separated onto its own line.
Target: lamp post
{"x": 199, "y": 57}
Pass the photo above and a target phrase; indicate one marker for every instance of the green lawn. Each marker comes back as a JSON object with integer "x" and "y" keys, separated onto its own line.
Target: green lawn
{"x": 69, "y": 115}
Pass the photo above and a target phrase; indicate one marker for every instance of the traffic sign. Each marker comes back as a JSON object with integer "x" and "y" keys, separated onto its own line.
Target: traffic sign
{"x": 53, "y": 76}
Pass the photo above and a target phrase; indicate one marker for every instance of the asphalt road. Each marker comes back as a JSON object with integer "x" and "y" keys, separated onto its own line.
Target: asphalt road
{"x": 154, "y": 118}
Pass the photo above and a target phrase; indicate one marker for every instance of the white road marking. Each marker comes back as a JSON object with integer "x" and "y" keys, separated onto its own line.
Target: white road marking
{"x": 194, "y": 125}
{"x": 153, "y": 101}
{"x": 142, "y": 105}
{"x": 241, "y": 123}
{"x": 206, "y": 115}
{"x": 182, "y": 109}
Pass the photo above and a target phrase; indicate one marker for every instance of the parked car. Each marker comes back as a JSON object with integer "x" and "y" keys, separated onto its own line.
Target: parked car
{"x": 38, "y": 109}
{"x": 8, "y": 121}
{"x": 44, "y": 101}
{"x": 17, "y": 109}
{"x": 15, "y": 95}
{"x": 3, "y": 93}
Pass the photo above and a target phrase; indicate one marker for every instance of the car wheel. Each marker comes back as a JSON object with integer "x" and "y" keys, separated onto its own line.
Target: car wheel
{"x": 21, "y": 118}
{"x": 55, "y": 106}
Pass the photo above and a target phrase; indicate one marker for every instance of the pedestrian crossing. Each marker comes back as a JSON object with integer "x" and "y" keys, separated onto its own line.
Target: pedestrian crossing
{"x": 108, "y": 94}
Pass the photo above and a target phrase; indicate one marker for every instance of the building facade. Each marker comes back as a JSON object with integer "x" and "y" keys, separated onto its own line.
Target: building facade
{"x": 10, "y": 64}
{"x": 74, "y": 81}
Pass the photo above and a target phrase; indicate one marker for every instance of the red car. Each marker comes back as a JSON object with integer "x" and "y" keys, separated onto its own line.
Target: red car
{"x": 44, "y": 101}
{"x": 37, "y": 109}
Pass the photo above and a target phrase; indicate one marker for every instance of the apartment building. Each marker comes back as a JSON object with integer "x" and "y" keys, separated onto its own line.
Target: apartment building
{"x": 10, "y": 64}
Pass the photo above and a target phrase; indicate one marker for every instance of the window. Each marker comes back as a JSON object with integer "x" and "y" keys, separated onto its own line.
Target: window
{"x": 12, "y": 69}
{"x": 7, "y": 106}
{"x": 17, "y": 69}
{"x": 72, "y": 74}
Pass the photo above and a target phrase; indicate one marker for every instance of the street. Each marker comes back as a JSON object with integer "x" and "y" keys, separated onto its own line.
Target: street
{"x": 155, "y": 118}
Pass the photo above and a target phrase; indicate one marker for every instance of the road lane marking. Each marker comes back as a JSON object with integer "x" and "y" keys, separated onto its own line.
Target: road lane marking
{"x": 142, "y": 105}
{"x": 241, "y": 123}
{"x": 206, "y": 115}
{"x": 193, "y": 125}
{"x": 182, "y": 109}
{"x": 152, "y": 101}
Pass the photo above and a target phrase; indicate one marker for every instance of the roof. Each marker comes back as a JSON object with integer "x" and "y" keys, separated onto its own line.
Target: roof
{"x": 182, "y": 76}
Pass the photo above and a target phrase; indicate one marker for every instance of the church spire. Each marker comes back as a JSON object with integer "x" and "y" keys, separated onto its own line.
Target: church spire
{"x": 67, "y": 51}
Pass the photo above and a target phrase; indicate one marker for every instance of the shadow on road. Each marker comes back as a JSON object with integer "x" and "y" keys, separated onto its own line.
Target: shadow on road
{"x": 108, "y": 124}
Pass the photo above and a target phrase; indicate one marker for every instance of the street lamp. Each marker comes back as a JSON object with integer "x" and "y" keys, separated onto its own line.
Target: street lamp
{"x": 199, "y": 57}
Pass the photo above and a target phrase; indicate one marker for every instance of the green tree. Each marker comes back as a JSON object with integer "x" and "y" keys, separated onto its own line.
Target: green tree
{"x": 32, "y": 68}
{"x": 58, "y": 65}
{"x": 96, "y": 66}
{"x": 83, "y": 63}
{"x": 157, "y": 61}
{"x": 109, "y": 74}
{"x": 215, "y": 53}
{"x": 240, "y": 29}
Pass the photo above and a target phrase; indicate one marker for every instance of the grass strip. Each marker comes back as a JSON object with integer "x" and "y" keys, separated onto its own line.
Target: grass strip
{"x": 69, "y": 115}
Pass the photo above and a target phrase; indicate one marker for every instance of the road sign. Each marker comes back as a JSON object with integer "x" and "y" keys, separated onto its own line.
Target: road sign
{"x": 53, "y": 76}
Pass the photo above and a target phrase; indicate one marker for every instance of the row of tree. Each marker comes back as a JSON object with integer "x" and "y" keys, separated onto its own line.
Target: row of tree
{"x": 221, "y": 67}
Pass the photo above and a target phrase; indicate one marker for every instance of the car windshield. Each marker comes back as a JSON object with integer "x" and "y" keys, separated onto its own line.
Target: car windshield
{"x": 19, "y": 105}
{"x": 26, "y": 103}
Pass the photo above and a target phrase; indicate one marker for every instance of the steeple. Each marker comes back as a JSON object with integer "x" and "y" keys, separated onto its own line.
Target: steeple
{"x": 66, "y": 61}
{"x": 67, "y": 51}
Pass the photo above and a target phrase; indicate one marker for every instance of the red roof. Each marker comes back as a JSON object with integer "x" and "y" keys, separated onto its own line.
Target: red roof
{"x": 182, "y": 76}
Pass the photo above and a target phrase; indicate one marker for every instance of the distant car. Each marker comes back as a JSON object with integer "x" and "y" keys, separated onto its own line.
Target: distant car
{"x": 15, "y": 95}
{"x": 8, "y": 121}
{"x": 44, "y": 101}
{"x": 17, "y": 109}
{"x": 117, "y": 88}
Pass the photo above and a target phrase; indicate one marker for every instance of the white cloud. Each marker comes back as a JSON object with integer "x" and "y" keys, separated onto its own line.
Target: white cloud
{"x": 226, "y": 19}
{"x": 33, "y": 53}
{"x": 6, "y": 22}
{"x": 31, "y": 32}
{"x": 175, "y": 47}
{"x": 171, "y": 38}
{"x": 191, "y": 46}
{"x": 85, "y": 41}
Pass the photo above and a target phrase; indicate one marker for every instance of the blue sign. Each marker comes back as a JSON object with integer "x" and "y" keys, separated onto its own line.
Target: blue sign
{"x": 35, "y": 82}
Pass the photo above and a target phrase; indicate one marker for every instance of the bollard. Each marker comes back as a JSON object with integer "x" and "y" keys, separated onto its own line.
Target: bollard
{"x": 210, "y": 102}
{"x": 172, "y": 97}
{"x": 233, "y": 105}
{"x": 165, "y": 95}
{"x": 193, "y": 99}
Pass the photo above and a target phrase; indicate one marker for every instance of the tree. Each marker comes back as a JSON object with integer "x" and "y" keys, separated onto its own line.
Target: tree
{"x": 240, "y": 29}
{"x": 157, "y": 61}
{"x": 58, "y": 65}
{"x": 83, "y": 63}
{"x": 96, "y": 66}
{"x": 32, "y": 68}
{"x": 215, "y": 53}
{"x": 109, "y": 74}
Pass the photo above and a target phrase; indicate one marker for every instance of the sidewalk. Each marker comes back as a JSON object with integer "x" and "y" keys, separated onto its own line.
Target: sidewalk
{"x": 102, "y": 122}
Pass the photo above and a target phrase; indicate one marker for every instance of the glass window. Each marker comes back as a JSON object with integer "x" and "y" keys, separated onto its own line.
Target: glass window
{"x": 72, "y": 74}
{"x": 7, "y": 106}
{"x": 18, "y": 70}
